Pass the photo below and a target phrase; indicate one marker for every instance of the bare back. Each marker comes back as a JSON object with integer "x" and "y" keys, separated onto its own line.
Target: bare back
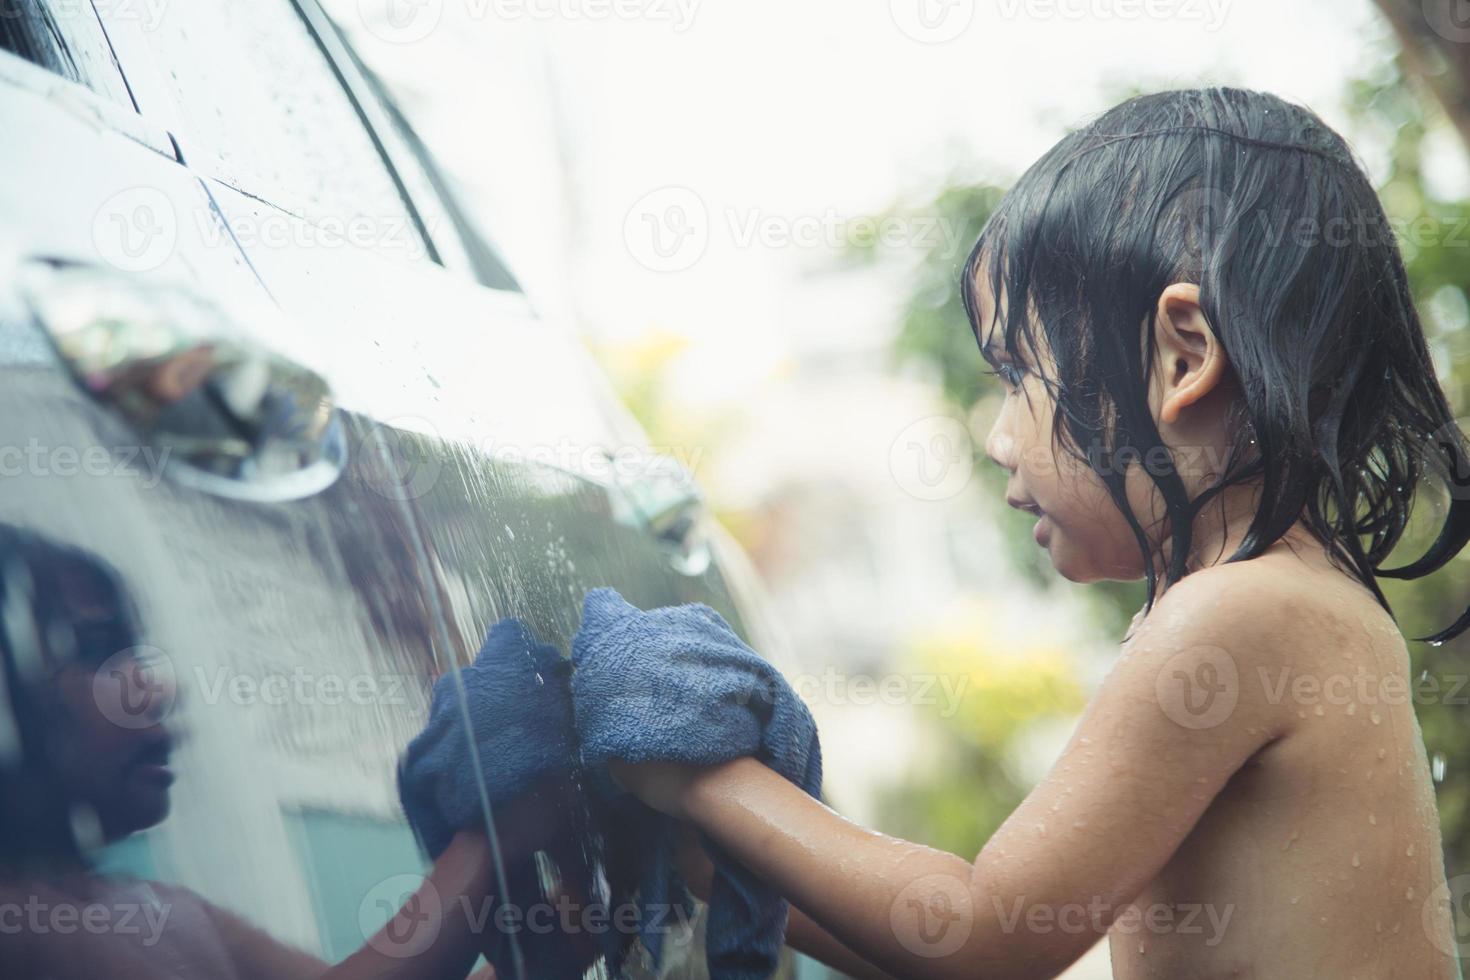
{"x": 1321, "y": 856}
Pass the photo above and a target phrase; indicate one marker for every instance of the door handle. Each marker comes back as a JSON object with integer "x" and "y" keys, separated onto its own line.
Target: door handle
{"x": 668, "y": 504}
{"x": 225, "y": 415}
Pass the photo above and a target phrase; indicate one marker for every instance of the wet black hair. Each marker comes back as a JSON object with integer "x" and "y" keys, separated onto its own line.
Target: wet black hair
{"x": 1263, "y": 206}
{"x": 59, "y": 606}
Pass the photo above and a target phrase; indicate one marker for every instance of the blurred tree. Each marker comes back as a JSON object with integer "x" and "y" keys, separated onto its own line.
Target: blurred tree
{"x": 1432, "y": 36}
{"x": 1389, "y": 107}
{"x": 1002, "y": 696}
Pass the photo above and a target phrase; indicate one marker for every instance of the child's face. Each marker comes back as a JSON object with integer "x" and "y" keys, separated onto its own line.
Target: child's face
{"x": 1082, "y": 530}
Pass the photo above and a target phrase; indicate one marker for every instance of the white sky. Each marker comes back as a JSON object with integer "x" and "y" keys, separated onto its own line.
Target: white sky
{"x": 562, "y": 115}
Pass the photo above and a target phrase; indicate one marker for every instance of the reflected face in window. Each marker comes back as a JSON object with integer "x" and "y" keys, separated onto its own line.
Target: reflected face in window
{"x": 120, "y": 769}
{"x": 88, "y": 704}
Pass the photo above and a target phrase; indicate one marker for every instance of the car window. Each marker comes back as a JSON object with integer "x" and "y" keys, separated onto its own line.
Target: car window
{"x": 66, "y": 39}
{"x": 261, "y": 108}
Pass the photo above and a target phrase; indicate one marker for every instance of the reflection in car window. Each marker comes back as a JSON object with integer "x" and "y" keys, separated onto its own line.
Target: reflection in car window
{"x": 86, "y": 770}
{"x": 64, "y": 38}
{"x": 262, "y": 105}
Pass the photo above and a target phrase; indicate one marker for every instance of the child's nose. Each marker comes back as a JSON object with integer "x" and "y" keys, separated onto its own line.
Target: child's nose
{"x": 1000, "y": 448}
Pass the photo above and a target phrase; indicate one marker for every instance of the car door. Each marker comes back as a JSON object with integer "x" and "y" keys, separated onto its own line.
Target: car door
{"x": 472, "y": 471}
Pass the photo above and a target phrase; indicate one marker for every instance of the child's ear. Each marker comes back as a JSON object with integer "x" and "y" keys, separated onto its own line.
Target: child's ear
{"x": 1191, "y": 358}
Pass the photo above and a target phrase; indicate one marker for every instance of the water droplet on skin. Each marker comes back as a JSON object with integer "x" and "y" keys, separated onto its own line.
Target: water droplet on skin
{"x": 1352, "y": 707}
{"x": 1357, "y": 861}
{"x": 1382, "y": 753}
{"x": 1320, "y": 711}
{"x": 1290, "y": 841}
{"x": 1372, "y": 820}
{"x": 1409, "y": 851}
{"x": 1295, "y": 899}
{"x": 1041, "y": 827}
{"x": 1141, "y": 950}
{"x": 1409, "y": 895}
{"x": 1375, "y": 717}
{"x": 1301, "y": 714}
{"x": 1396, "y": 927}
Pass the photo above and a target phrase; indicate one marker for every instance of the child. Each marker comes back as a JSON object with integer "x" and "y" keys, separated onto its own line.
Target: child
{"x": 1216, "y": 381}
{"x": 84, "y": 744}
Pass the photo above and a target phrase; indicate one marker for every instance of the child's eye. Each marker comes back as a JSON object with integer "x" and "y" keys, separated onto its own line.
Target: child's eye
{"x": 1008, "y": 373}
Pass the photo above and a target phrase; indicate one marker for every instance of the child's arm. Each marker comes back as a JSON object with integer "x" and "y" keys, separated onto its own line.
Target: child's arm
{"x": 802, "y": 933}
{"x": 1164, "y": 733}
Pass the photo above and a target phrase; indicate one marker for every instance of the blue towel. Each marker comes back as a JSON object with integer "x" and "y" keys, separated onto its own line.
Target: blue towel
{"x": 678, "y": 684}
{"x": 520, "y": 710}
{"x": 521, "y": 715}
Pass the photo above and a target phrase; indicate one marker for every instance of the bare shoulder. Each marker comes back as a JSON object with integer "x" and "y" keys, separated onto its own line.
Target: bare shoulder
{"x": 1239, "y": 625}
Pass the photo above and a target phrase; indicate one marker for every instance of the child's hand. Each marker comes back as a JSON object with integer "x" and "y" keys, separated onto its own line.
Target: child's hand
{"x": 662, "y": 785}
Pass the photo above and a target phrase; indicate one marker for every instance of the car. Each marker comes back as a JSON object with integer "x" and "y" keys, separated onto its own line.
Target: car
{"x": 265, "y": 376}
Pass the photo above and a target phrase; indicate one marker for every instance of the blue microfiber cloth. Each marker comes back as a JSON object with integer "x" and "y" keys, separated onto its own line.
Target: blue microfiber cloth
{"x": 520, "y": 713}
{"x": 678, "y": 684}
{"x": 519, "y": 700}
